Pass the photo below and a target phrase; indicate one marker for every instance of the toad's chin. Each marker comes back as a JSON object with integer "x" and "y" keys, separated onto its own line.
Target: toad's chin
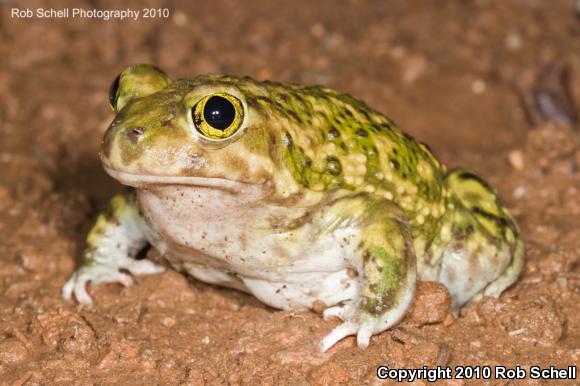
{"x": 146, "y": 181}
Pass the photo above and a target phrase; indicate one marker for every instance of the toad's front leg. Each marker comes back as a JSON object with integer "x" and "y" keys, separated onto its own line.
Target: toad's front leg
{"x": 387, "y": 271}
{"x": 113, "y": 242}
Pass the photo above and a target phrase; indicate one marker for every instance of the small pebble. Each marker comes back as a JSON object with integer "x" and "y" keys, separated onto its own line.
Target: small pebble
{"x": 478, "y": 86}
{"x": 168, "y": 322}
{"x": 516, "y": 159}
{"x": 180, "y": 18}
{"x": 519, "y": 192}
{"x": 513, "y": 41}
{"x": 449, "y": 320}
{"x": 317, "y": 30}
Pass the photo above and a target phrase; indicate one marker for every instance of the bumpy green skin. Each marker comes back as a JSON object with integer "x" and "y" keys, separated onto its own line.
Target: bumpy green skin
{"x": 313, "y": 145}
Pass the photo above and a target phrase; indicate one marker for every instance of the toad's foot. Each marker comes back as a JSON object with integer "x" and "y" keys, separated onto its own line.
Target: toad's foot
{"x": 111, "y": 272}
{"x": 363, "y": 332}
{"x": 347, "y": 312}
{"x": 360, "y": 324}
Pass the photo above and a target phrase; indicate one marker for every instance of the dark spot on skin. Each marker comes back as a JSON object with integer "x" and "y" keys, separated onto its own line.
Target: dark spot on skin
{"x": 135, "y": 134}
{"x": 426, "y": 146}
{"x": 471, "y": 176}
{"x": 504, "y": 222}
{"x": 323, "y": 115}
{"x": 362, "y": 133}
{"x": 478, "y": 210}
{"x": 469, "y": 229}
{"x": 294, "y": 116}
{"x": 394, "y": 164}
{"x": 333, "y": 133}
{"x": 366, "y": 256}
{"x": 265, "y": 99}
{"x": 252, "y": 102}
{"x": 365, "y": 113}
{"x": 299, "y": 98}
{"x": 408, "y": 137}
{"x": 333, "y": 166}
{"x": 501, "y": 222}
{"x": 348, "y": 112}
{"x": 308, "y": 162}
{"x": 459, "y": 236}
{"x": 289, "y": 139}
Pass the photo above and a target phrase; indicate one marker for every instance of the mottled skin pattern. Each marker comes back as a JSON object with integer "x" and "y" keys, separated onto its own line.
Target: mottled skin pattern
{"x": 307, "y": 166}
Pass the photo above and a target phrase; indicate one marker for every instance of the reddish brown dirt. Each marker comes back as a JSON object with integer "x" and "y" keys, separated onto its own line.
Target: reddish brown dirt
{"x": 451, "y": 73}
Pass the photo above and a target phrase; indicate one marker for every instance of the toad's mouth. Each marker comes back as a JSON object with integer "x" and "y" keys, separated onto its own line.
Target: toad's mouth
{"x": 143, "y": 181}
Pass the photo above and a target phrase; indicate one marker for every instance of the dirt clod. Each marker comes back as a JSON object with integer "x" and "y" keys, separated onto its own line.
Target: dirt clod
{"x": 432, "y": 304}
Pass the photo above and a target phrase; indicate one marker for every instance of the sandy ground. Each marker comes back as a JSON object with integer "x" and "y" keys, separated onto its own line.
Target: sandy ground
{"x": 458, "y": 75}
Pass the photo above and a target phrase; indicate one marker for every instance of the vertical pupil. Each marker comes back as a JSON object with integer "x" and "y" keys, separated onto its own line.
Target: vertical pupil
{"x": 219, "y": 112}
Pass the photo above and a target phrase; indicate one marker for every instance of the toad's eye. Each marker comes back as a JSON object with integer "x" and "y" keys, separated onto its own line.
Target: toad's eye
{"x": 218, "y": 116}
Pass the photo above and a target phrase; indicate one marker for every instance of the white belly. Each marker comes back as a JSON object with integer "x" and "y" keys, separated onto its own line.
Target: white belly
{"x": 222, "y": 238}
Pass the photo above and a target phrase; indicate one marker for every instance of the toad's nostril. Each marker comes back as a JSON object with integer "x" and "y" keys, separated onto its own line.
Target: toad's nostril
{"x": 135, "y": 134}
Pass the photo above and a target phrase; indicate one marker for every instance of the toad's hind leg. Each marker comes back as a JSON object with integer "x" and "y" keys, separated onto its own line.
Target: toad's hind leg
{"x": 486, "y": 253}
{"x": 386, "y": 266}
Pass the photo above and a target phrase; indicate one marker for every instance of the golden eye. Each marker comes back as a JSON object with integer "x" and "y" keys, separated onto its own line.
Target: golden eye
{"x": 218, "y": 116}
